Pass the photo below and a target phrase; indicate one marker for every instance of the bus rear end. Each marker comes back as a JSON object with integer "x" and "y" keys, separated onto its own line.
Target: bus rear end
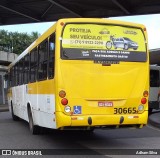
{"x": 102, "y": 75}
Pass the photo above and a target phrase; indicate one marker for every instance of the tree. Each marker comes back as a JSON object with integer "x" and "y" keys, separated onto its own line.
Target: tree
{"x": 16, "y": 42}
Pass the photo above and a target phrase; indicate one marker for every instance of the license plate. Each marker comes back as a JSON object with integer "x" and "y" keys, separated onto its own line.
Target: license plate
{"x": 105, "y": 104}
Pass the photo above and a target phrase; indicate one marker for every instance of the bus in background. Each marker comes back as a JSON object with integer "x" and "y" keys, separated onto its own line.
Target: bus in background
{"x": 154, "y": 93}
{"x": 82, "y": 74}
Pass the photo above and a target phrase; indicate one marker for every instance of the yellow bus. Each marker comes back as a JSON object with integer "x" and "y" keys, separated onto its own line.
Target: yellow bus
{"x": 82, "y": 74}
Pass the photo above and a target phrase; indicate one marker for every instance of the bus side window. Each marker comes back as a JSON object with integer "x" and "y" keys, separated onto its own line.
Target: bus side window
{"x": 21, "y": 72}
{"x": 26, "y": 69}
{"x": 33, "y": 65}
{"x": 42, "y": 60}
{"x": 12, "y": 77}
{"x": 51, "y": 56}
{"x": 17, "y": 74}
{"x": 9, "y": 79}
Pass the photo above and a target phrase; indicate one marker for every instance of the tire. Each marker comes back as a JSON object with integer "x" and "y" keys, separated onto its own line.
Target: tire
{"x": 35, "y": 130}
{"x": 125, "y": 47}
{"x": 14, "y": 117}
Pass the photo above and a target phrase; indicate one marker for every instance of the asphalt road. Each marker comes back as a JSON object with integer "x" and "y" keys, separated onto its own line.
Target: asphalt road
{"x": 16, "y": 135}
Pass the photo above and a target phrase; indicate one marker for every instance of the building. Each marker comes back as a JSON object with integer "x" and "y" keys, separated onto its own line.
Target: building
{"x": 5, "y": 59}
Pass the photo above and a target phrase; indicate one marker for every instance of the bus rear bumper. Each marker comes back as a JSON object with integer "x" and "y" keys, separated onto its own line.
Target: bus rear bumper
{"x": 102, "y": 121}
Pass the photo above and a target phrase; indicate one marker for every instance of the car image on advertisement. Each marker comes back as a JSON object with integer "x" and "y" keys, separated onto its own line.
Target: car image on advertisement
{"x": 121, "y": 42}
{"x": 124, "y": 43}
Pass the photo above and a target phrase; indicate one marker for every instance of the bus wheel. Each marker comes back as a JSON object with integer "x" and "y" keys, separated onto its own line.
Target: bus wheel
{"x": 14, "y": 117}
{"x": 34, "y": 129}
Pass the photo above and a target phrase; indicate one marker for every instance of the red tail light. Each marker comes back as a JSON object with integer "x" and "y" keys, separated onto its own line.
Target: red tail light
{"x": 64, "y": 101}
{"x": 143, "y": 100}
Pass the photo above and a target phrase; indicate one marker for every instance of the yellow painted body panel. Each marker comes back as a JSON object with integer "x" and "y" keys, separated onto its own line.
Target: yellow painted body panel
{"x": 87, "y": 84}
{"x": 42, "y": 87}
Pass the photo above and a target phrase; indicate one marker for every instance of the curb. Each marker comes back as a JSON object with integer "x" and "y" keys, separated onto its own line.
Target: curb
{"x": 4, "y": 110}
{"x": 154, "y": 124}
{"x": 154, "y": 120}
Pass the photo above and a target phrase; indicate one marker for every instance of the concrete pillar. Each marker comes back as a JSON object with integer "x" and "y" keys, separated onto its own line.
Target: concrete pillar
{"x": 5, "y": 59}
{"x": 1, "y": 90}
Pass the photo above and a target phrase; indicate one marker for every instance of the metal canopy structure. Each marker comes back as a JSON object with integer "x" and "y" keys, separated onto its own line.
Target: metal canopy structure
{"x": 31, "y": 11}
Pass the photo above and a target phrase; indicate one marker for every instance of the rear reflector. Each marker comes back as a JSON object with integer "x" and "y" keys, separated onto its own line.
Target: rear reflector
{"x": 62, "y": 94}
{"x": 145, "y": 93}
{"x": 62, "y": 23}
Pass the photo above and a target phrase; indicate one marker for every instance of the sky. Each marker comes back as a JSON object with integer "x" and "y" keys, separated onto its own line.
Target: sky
{"x": 152, "y": 23}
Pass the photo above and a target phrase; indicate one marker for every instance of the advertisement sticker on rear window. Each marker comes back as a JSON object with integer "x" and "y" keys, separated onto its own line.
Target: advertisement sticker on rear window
{"x": 106, "y": 42}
